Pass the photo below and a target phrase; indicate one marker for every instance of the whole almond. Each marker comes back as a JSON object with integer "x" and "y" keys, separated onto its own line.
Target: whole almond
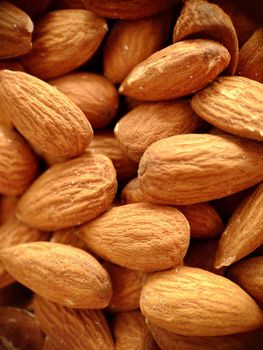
{"x": 178, "y": 70}
{"x": 63, "y": 41}
{"x": 244, "y": 118}
{"x": 125, "y": 46}
{"x": 16, "y": 30}
{"x": 69, "y": 193}
{"x": 191, "y": 167}
{"x": 18, "y": 164}
{"x": 51, "y": 123}
{"x": 32, "y": 7}
{"x": 132, "y": 193}
{"x": 73, "y": 329}
{"x": 127, "y": 9}
{"x": 60, "y": 273}
{"x": 244, "y": 231}
{"x": 155, "y": 237}
{"x": 93, "y": 94}
{"x": 150, "y": 122}
{"x": 195, "y": 302}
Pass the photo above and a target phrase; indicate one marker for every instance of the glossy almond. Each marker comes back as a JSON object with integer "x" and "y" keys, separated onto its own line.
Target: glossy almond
{"x": 35, "y": 108}
{"x": 178, "y": 70}
{"x": 155, "y": 237}
{"x": 93, "y": 94}
{"x": 199, "y": 18}
{"x": 244, "y": 118}
{"x": 73, "y": 329}
{"x": 125, "y": 46}
{"x": 69, "y": 193}
{"x": 150, "y": 122}
{"x": 63, "y": 41}
{"x": 244, "y": 231}
{"x": 191, "y": 168}
{"x": 60, "y": 273}
{"x": 18, "y": 164}
{"x": 195, "y": 302}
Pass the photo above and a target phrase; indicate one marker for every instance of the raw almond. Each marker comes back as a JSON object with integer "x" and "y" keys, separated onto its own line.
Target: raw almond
{"x": 155, "y": 237}
{"x": 63, "y": 41}
{"x": 150, "y": 122}
{"x": 60, "y": 273}
{"x": 32, "y": 7}
{"x": 93, "y": 94}
{"x": 132, "y": 193}
{"x": 125, "y": 46}
{"x": 244, "y": 231}
{"x": 245, "y": 116}
{"x": 191, "y": 168}
{"x": 69, "y": 193}
{"x": 51, "y": 123}
{"x": 50, "y": 344}
{"x": 199, "y": 18}
{"x": 69, "y": 237}
{"x": 195, "y": 302}
{"x": 73, "y": 329}
{"x": 178, "y": 70}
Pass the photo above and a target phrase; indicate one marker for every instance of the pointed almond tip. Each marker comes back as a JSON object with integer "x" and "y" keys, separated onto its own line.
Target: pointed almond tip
{"x": 224, "y": 262}
{"x": 121, "y": 89}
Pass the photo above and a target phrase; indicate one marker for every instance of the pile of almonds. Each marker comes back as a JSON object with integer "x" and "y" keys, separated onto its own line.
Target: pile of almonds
{"x": 131, "y": 162}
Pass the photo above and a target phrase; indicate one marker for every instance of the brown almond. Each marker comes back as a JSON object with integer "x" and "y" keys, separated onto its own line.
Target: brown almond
{"x": 244, "y": 231}
{"x": 73, "y": 329}
{"x": 125, "y": 46}
{"x": 178, "y": 70}
{"x": 191, "y": 168}
{"x": 60, "y": 273}
{"x": 93, "y": 94}
{"x": 50, "y": 344}
{"x": 69, "y": 193}
{"x": 190, "y": 301}
{"x": 63, "y": 41}
{"x": 155, "y": 237}
{"x": 132, "y": 193}
{"x": 69, "y": 237}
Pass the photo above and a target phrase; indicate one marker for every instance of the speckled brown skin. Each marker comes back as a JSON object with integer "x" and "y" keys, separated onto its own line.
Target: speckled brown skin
{"x": 73, "y": 329}
{"x": 195, "y": 302}
{"x": 60, "y": 273}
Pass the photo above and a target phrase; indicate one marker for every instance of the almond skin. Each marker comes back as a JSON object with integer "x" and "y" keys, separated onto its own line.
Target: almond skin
{"x": 75, "y": 329}
{"x": 63, "y": 41}
{"x": 127, "y": 9}
{"x": 16, "y": 30}
{"x": 60, "y": 273}
{"x": 18, "y": 164}
{"x": 178, "y": 70}
{"x": 69, "y": 237}
{"x": 244, "y": 231}
{"x": 125, "y": 46}
{"x": 93, "y": 94}
{"x": 191, "y": 167}
{"x": 123, "y": 232}
{"x": 35, "y": 108}
{"x": 69, "y": 193}
{"x": 132, "y": 193}
{"x": 195, "y": 302}
{"x": 200, "y": 18}
{"x": 244, "y": 118}
{"x": 248, "y": 274}
{"x": 151, "y": 122}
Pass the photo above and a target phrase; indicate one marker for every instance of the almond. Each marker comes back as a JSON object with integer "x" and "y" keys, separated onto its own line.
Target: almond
{"x": 69, "y": 193}
{"x": 150, "y": 122}
{"x": 125, "y": 46}
{"x": 123, "y": 232}
{"x": 61, "y": 273}
{"x": 195, "y": 302}
{"x": 63, "y": 41}
{"x": 71, "y": 328}
{"x": 251, "y": 56}
{"x": 178, "y": 70}
{"x": 244, "y": 231}
{"x": 50, "y": 344}
{"x": 200, "y": 18}
{"x": 132, "y": 193}
{"x": 191, "y": 167}
{"x": 69, "y": 237}
{"x": 244, "y": 118}
{"x": 32, "y": 7}
{"x": 127, "y": 9}
{"x": 93, "y": 94}
{"x": 126, "y": 285}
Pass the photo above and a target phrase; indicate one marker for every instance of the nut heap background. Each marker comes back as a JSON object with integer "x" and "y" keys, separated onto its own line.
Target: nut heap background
{"x": 127, "y": 129}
